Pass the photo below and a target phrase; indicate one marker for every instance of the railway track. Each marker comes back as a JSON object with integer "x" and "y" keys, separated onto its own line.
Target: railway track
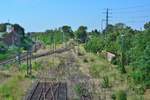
{"x": 49, "y": 91}
{"x": 23, "y": 57}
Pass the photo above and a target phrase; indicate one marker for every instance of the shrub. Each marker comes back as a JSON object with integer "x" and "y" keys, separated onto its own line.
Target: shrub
{"x": 95, "y": 44}
{"x": 113, "y": 96}
{"x": 121, "y": 95}
{"x": 137, "y": 76}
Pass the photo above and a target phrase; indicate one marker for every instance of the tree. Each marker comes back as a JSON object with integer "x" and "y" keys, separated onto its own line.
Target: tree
{"x": 147, "y": 26}
{"x": 2, "y": 27}
{"x": 68, "y": 31}
{"x": 19, "y": 30}
{"x": 81, "y": 34}
{"x": 3, "y": 47}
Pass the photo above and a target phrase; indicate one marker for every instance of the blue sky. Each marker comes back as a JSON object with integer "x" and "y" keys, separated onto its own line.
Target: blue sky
{"x": 39, "y": 15}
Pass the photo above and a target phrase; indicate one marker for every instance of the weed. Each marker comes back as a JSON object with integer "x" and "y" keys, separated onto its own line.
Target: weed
{"x": 105, "y": 82}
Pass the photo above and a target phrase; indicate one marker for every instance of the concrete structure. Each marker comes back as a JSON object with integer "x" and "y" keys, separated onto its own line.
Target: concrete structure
{"x": 108, "y": 55}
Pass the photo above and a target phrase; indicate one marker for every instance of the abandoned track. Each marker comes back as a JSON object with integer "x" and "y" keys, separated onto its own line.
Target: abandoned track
{"x": 49, "y": 91}
{"x": 23, "y": 57}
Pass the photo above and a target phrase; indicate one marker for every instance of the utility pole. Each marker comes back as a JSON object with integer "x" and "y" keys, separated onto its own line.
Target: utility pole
{"x": 107, "y": 17}
{"x": 29, "y": 62}
{"x": 107, "y": 14}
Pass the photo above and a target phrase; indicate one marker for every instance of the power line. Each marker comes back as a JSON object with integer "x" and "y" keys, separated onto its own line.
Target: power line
{"x": 132, "y": 11}
{"x": 133, "y": 17}
{"x": 131, "y": 21}
{"x": 131, "y": 7}
{"x": 130, "y": 15}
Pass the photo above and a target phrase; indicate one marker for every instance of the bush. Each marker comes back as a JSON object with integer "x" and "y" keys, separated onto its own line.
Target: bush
{"x": 121, "y": 95}
{"x": 95, "y": 44}
{"x": 137, "y": 76}
{"x": 140, "y": 89}
{"x": 113, "y": 96}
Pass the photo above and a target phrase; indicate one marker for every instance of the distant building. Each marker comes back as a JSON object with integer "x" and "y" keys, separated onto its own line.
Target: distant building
{"x": 10, "y": 36}
{"x": 9, "y": 28}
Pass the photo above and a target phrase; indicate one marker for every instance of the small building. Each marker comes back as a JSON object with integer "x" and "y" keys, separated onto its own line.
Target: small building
{"x": 10, "y": 37}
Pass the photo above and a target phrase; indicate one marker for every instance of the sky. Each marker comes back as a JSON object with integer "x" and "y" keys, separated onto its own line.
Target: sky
{"x": 39, "y": 15}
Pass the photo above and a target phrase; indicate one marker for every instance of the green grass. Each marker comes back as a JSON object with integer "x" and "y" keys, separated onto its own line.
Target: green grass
{"x": 7, "y": 54}
{"x": 12, "y": 89}
{"x": 4, "y": 56}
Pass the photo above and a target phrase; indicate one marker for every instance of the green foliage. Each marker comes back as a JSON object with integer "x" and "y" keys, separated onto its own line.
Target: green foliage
{"x": 7, "y": 67}
{"x": 81, "y": 34}
{"x": 3, "y": 47}
{"x": 95, "y": 44}
{"x": 19, "y": 30}
{"x": 10, "y": 90}
{"x": 147, "y": 26}
{"x": 113, "y": 96}
{"x": 3, "y": 27}
{"x": 51, "y": 36}
{"x": 67, "y": 31}
{"x": 121, "y": 95}
{"x": 23, "y": 67}
{"x": 78, "y": 89}
{"x": 132, "y": 50}
{"x": 137, "y": 76}
{"x": 141, "y": 59}
{"x": 81, "y": 90}
{"x": 35, "y": 66}
{"x": 26, "y": 43}
{"x": 96, "y": 69}
{"x": 105, "y": 82}
{"x": 7, "y": 54}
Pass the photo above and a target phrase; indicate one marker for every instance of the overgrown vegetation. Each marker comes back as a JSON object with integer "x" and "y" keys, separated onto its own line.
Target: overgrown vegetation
{"x": 13, "y": 42}
{"x": 13, "y": 90}
{"x": 132, "y": 45}
{"x": 120, "y": 95}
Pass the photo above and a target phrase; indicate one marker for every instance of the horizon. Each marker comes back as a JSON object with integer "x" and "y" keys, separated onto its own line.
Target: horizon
{"x": 38, "y": 16}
